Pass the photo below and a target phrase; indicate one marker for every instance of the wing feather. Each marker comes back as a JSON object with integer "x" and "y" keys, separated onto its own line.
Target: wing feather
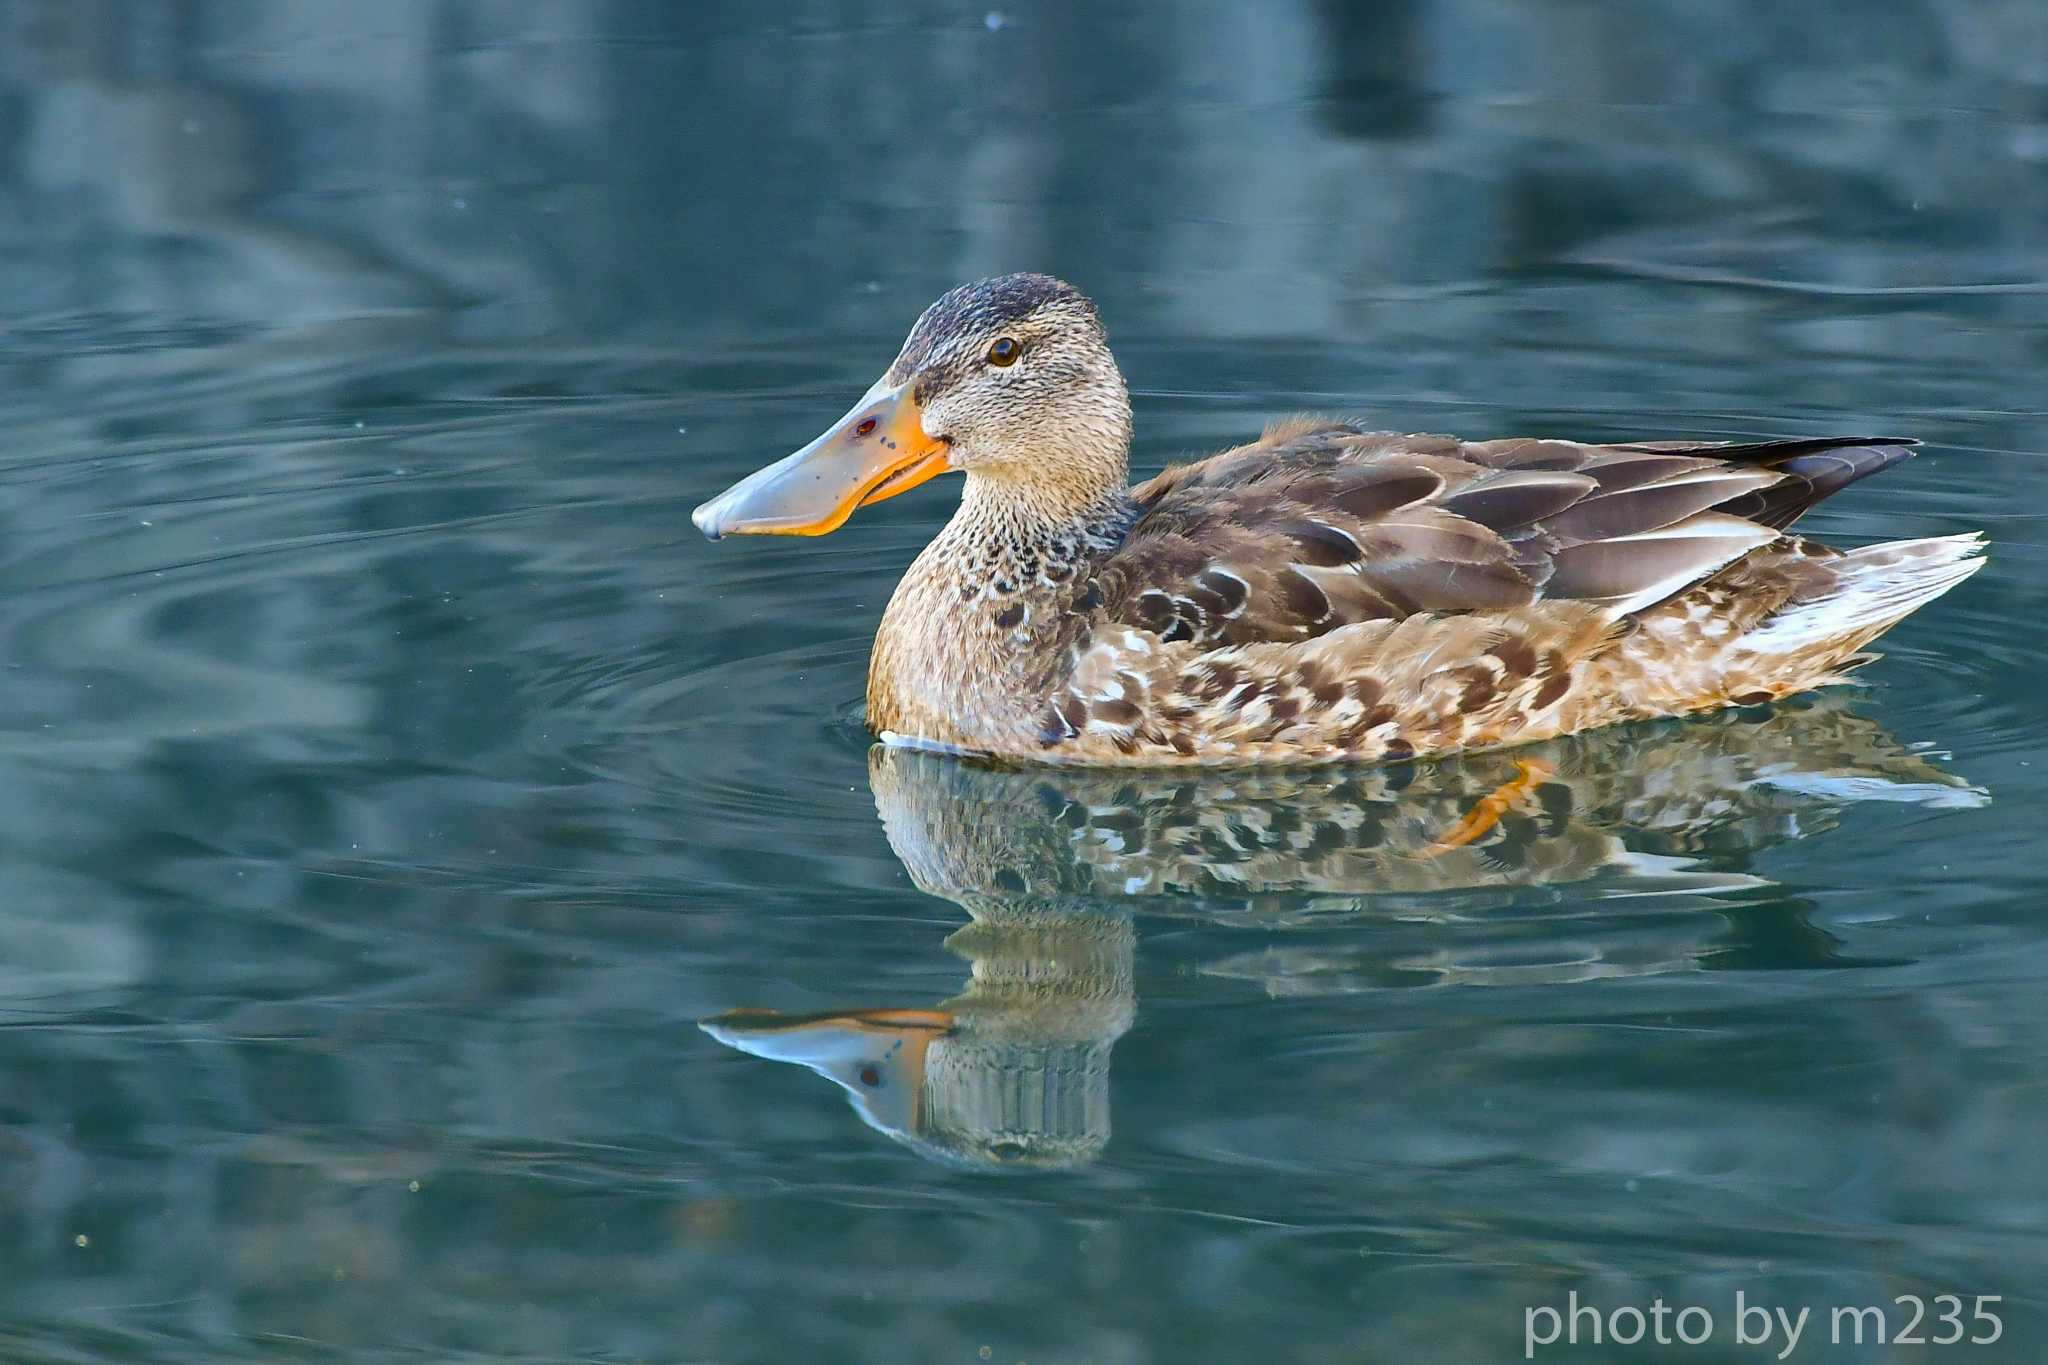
{"x": 1319, "y": 525}
{"x": 1627, "y": 573}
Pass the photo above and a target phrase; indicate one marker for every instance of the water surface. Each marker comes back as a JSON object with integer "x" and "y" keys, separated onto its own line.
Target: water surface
{"x": 394, "y": 783}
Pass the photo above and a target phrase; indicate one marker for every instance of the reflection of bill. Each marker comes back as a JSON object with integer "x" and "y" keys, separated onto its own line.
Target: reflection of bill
{"x": 1013, "y": 1071}
{"x": 1049, "y": 863}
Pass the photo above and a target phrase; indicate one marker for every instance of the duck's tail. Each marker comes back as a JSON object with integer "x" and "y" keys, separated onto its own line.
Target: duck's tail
{"x": 1874, "y": 589}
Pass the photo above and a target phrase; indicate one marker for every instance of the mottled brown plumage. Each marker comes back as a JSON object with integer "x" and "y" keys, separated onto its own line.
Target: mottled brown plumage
{"x": 1326, "y": 593}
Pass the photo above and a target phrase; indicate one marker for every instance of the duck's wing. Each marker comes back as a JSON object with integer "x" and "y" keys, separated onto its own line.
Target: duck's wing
{"x": 1318, "y": 525}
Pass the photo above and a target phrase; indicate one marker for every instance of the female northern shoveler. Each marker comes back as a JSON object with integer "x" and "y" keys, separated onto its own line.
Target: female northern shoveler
{"x": 1323, "y": 593}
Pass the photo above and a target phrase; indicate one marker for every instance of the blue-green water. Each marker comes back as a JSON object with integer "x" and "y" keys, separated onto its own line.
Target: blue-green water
{"x": 392, "y": 781}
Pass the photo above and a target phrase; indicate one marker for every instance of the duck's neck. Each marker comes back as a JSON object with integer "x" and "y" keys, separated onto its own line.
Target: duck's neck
{"x": 988, "y": 614}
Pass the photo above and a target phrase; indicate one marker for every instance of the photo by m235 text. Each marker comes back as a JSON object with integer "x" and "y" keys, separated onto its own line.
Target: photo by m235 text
{"x": 1909, "y": 1320}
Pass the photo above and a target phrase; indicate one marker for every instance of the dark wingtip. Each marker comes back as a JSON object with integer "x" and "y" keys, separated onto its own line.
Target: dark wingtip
{"x": 1819, "y": 468}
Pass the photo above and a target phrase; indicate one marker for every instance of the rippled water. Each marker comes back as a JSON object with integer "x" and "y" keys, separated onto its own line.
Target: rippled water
{"x": 452, "y": 912}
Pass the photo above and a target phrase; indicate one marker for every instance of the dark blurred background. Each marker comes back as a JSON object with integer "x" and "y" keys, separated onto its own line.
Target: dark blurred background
{"x": 204, "y": 176}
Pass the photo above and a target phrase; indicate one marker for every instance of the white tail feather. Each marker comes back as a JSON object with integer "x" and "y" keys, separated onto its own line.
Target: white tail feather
{"x": 1879, "y": 585}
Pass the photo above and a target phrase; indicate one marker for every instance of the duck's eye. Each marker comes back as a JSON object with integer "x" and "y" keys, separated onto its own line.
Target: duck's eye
{"x": 1003, "y": 351}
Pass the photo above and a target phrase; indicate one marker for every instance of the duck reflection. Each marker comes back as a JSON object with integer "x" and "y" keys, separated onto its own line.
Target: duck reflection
{"x": 1013, "y": 1071}
{"x": 1049, "y": 864}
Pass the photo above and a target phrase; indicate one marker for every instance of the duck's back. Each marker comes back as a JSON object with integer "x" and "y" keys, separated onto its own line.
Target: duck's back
{"x": 1325, "y": 593}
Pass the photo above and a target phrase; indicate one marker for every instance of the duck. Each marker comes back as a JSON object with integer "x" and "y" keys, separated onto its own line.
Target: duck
{"x": 1325, "y": 593}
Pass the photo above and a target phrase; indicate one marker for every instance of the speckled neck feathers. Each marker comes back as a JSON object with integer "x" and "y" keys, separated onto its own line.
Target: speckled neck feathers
{"x": 989, "y": 617}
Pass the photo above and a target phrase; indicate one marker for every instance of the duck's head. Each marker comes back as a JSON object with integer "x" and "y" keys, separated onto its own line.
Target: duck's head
{"x": 1008, "y": 380}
